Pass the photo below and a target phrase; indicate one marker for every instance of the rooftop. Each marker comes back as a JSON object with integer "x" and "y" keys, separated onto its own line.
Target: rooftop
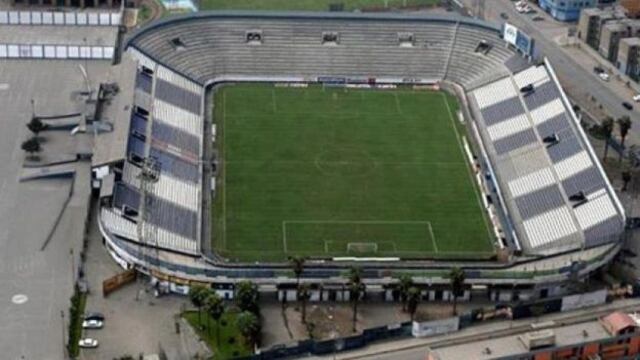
{"x": 58, "y": 35}
{"x": 111, "y": 146}
{"x": 511, "y": 345}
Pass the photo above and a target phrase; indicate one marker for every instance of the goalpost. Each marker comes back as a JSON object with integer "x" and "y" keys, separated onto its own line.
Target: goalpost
{"x": 362, "y": 247}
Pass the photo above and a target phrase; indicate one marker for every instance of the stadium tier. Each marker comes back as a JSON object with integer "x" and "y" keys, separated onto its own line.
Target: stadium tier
{"x": 556, "y": 193}
{"x": 553, "y": 195}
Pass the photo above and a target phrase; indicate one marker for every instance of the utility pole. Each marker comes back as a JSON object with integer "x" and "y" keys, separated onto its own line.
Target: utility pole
{"x": 64, "y": 342}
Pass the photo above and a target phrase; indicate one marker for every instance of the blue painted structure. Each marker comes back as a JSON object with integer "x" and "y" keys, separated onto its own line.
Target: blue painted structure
{"x": 566, "y": 10}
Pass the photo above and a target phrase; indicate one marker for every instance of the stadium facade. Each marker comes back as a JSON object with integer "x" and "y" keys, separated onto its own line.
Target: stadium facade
{"x": 553, "y": 210}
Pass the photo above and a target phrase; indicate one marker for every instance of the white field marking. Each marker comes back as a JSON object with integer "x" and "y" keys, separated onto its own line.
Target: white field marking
{"x": 224, "y": 172}
{"x": 433, "y": 238}
{"x": 284, "y": 237}
{"x": 473, "y": 184}
{"x": 327, "y": 242}
{"x": 326, "y": 246}
{"x": 395, "y": 95}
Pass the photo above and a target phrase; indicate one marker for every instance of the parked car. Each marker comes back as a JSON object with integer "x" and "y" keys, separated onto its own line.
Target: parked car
{"x": 538, "y": 18}
{"x": 504, "y": 16}
{"x": 94, "y": 316}
{"x": 88, "y": 343}
{"x": 598, "y": 69}
{"x": 604, "y": 76}
{"x": 627, "y": 106}
{"x": 636, "y": 97}
{"x": 92, "y": 324}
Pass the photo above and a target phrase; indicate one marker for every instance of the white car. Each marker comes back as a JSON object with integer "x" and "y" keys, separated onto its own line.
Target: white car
{"x": 92, "y": 324}
{"x": 636, "y": 98}
{"x": 88, "y": 343}
{"x": 604, "y": 76}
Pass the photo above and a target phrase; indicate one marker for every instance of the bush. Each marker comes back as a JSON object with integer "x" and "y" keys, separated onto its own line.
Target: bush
{"x": 76, "y": 311}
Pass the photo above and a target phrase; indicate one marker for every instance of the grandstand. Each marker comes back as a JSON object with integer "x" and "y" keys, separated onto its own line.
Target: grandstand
{"x": 554, "y": 189}
{"x": 547, "y": 194}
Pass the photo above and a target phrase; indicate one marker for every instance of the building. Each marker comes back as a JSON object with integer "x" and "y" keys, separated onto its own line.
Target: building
{"x": 611, "y": 34}
{"x": 591, "y": 23}
{"x": 631, "y": 7}
{"x": 615, "y": 336}
{"x": 566, "y": 10}
{"x": 69, "y": 3}
{"x": 629, "y": 57}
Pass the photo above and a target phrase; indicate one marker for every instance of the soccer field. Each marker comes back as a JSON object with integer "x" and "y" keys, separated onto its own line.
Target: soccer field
{"x": 329, "y": 172}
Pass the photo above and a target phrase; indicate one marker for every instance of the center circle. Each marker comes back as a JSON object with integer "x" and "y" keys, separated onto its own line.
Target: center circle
{"x": 19, "y": 299}
{"x": 345, "y": 162}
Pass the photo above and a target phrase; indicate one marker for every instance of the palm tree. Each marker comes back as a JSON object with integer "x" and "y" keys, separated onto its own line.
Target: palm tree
{"x": 405, "y": 283}
{"x": 624, "y": 125}
{"x": 413, "y": 299}
{"x": 247, "y": 296}
{"x": 607, "y": 130}
{"x": 626, "y": 178}
{"x": 297, "y": 265}
{"x": 304, "y": 294}
{"x": 32, "y": 146}
{"x": 356, "y": 291}
{"x": 197, "y": 295}
{"x": 215, "y": 309}
{"x": 249, "y": 326}
{"x": 456, "y": 278}
{"x": 36, "y": 126}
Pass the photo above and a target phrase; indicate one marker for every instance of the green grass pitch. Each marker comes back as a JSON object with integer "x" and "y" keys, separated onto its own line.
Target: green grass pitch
{"x": 330, "y": 172}
{"x": 310, "y": 5}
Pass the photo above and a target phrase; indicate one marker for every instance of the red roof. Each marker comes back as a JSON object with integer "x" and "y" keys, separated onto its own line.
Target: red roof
{"x": 617, "y": 321}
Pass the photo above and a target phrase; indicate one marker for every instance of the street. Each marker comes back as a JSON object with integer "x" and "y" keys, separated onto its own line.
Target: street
{"x": 579, "y": 83}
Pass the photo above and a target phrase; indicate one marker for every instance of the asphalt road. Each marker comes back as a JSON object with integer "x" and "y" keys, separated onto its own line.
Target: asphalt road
{"x": 578, "y": 82}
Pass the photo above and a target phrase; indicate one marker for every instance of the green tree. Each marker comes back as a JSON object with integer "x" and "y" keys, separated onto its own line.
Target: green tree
{"x": 297, "y": 265}
{"x": 456, "y": 279}
{"x": 215, "y": 308}
{"x": 607, "y": 130}
{"x": 304, "y": 294}
{"x": 36, "y": 125}
{"x": 404, "y": 284}
{"x": 413, "y": 300}
{"x": 249, "y": 327}
{"x": 197, "y": 295}
{"x": 356, "y": 292}
{"x": 32, "y": 146}
{"x": 247, "y": 297}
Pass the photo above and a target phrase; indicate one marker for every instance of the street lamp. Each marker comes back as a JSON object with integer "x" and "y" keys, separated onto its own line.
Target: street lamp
{"x": 64, "y": 343}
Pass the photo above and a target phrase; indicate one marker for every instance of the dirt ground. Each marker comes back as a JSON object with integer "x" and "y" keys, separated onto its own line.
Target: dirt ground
{"x": 327, "y": 320}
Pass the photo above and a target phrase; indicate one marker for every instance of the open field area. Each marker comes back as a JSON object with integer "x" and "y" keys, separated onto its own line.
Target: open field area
{"x": 311, "y": 5}
{"x": 327, "y": 172}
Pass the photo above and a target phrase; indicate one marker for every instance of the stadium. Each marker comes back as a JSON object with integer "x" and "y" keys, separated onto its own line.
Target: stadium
{"x": 403, "y": 144}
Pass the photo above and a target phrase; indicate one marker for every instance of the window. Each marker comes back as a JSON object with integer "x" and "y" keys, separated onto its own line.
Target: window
{"x": 253, "y": 37}
{"x": 177, "y": 43}
{"x": 406, "y": 39}
{"x": 330, "y": 38}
